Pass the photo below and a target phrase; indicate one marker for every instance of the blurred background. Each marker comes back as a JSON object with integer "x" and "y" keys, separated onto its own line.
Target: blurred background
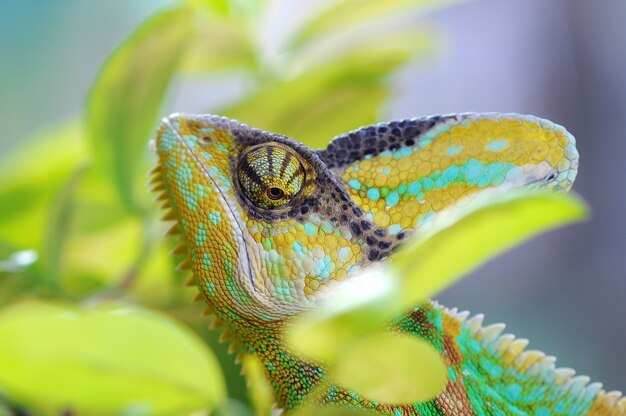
{"x": 70, "y": 229}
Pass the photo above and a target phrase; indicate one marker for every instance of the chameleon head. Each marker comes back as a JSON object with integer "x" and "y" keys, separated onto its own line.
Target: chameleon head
{"x": 270, "y": 224}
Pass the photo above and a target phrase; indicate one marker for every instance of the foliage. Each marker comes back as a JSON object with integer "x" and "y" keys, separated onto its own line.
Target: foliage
{"x": 110, "y": 360}
{"x": 78, "y": 233}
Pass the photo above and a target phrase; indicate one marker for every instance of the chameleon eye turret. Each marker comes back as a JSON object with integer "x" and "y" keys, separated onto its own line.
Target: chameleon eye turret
{"x": 271, "y": 176}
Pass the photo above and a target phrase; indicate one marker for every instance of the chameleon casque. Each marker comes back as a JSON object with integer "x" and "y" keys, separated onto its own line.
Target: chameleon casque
{"x": 271, "y": 225}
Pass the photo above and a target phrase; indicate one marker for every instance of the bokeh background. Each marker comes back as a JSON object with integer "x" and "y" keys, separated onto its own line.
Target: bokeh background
{"x": 560, "y": 59}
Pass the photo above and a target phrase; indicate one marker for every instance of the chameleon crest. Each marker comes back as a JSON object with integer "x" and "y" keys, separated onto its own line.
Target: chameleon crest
{"x": 271, "y": 227}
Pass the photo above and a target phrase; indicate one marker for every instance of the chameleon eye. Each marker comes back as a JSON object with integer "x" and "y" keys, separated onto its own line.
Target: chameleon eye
{"x": 270, "y": 175}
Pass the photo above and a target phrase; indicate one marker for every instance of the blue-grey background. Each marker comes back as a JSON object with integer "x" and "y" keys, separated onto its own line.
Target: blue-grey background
{"x": 560, "y": 59}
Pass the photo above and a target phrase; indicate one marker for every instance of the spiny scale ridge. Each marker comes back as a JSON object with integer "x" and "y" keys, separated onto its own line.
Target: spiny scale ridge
{"x": 534, "y": 362}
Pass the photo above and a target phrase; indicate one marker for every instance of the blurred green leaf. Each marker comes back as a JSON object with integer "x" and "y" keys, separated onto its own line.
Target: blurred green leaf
{"x": 233, "y": 408}
{"x": 311, "y": 410}
{"x": 350, "y": 47}
{"x": 339, "y": 14}
{"x": 324, "y": 102}
{"x": 98, "y": 258}
{"x": 30, "y": 176}
{"x": 103, "y": 361}
{"x": 126, "y": 98}
{"x": 219, "y": 7}
{"x": 323, "y": 334}
{"x": 459, "y": 241}
{"x": 245, "y": 10}
{"x": 220, "y": 45}
{"x": 475, "y": 233}
{"x": 398, "y": 369}
{"x": 260, "y": 390}
{"x": 58, "y": 228}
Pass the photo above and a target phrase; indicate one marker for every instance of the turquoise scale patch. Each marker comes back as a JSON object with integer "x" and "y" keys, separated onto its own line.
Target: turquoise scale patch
{"x": 201, "y": 235}
{"x": 205, "y": 261}
{"x": 344, "y": 254}
{"x": 210, "y": 287}
{"x": 191, "y": 141}
{"x": 167, "y": 141}
{"x": 451, "y": 374}
{"x": 395, "y": 229}
{"x": 202, "y": 191}
{"x": 311, "y": 229}
{"x": 326, "y": 227}
{"x": 373, "y": 194}
{"x": 497, "y": 145}
{"x": 324, "y": 267}
{"x": 215, "y": 217}
{"x": 392, "y": 199}
{"x": 473, "y": 173}
{"x": 414, "y": 187}
{"x": 222, "y": 148}
{"x": 354, "y": 184}
{"x": 299, "y": 248}
{"x": 282, "y": 289}
{"x": 223, "y": 180}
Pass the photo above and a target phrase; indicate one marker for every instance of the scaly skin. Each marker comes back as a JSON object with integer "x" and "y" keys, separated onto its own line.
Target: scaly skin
{"x": 271, "y": 226}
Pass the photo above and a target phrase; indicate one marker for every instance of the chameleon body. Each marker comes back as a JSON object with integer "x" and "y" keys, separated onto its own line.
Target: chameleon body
{"x": 272, "y": 226}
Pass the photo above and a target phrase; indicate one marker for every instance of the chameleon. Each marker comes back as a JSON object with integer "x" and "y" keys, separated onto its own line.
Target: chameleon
{"x": 271, "y": 226}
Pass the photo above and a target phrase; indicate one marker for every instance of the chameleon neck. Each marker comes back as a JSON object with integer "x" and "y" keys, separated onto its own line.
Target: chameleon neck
{"x": 475, "y": 356}
{"x": 292, "y": 378}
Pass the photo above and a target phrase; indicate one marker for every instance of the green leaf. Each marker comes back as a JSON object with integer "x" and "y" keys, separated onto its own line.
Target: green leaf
{"x": 324, "y": 333}
{"x": 399, "y": 369}
{"x": 469, "y": 236}
{"x": 312, "y": 410}
{"x": 233, "y": 408}
{"x": 458, "y": 242}
{"x": 349, "y": 47}
{"x": 126, "y": 98}
{"x": 59, "y": 222}
{"x": 326, "y": 101}
{"x": 220, "y": 45}
{"x": 103, "y": 361}
{"x": 245, "y": 11}
{"x": 260, "y": 390}
{"x": 338, "y": 15}
{"x": 218, "y": 7}
{"x": 29, "y": 179}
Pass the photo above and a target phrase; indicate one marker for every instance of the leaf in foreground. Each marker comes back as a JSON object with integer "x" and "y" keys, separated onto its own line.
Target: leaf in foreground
{"x": 391, "y": 368}
{"x": 103, "y": 361}
{"x": 458, "y": 242}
